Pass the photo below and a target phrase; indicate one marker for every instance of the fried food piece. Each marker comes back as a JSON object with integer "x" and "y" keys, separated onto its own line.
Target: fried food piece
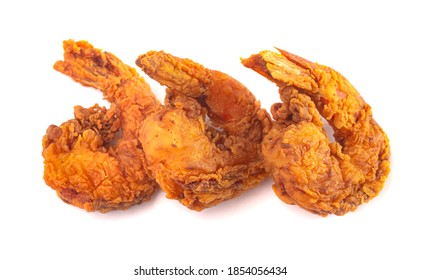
{"x": 95, "y": 160}
{"x": 308, "y": 170}
{"x": 204, "y": 147}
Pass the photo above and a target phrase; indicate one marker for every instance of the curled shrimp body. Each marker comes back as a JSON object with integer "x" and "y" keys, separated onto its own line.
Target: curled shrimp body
{"x": 309, "y": 170}
{"x": 95, "y": 160}
{"x": 204, "y": 147}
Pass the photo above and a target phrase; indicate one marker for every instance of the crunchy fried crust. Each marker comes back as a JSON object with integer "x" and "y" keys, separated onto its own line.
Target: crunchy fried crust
{"x": 308, "y": 170}
{"x": 95, "y": 160}
{"x": 198, "y": 161}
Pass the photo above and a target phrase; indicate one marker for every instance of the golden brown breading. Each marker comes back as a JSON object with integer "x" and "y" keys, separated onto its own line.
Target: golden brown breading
{"x": 308, "y": 170}
{"x": 95, "y": 160}
{"x": 205, "y": 146}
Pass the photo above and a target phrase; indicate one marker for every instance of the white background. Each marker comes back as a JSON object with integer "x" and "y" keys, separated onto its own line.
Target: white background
{"x": 376, "y": 45}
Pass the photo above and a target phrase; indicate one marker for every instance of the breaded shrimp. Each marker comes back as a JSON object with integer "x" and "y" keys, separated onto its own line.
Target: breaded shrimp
{"x": 307, "y": 169}
{"x": 204, "y": 147}
{"x": 95, "y": 161}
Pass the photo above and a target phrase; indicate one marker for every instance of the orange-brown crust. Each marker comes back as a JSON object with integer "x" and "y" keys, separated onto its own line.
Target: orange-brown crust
{"x": 197, "y": 161}
{"x": 308, "y": 170}
{"x": 95, "y": 160}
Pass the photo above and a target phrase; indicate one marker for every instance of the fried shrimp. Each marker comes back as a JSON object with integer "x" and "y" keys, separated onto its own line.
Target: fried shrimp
{"x": 95, "y": 161}
{"x": 307, "y": 169}
{"x": 204, "y": 147}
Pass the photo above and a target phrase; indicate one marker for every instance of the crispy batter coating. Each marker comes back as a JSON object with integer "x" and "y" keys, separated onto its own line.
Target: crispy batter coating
{"x": 307, "y": 169}
{"x": 95, "y": 160}
{"x": 204, "y": 147}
